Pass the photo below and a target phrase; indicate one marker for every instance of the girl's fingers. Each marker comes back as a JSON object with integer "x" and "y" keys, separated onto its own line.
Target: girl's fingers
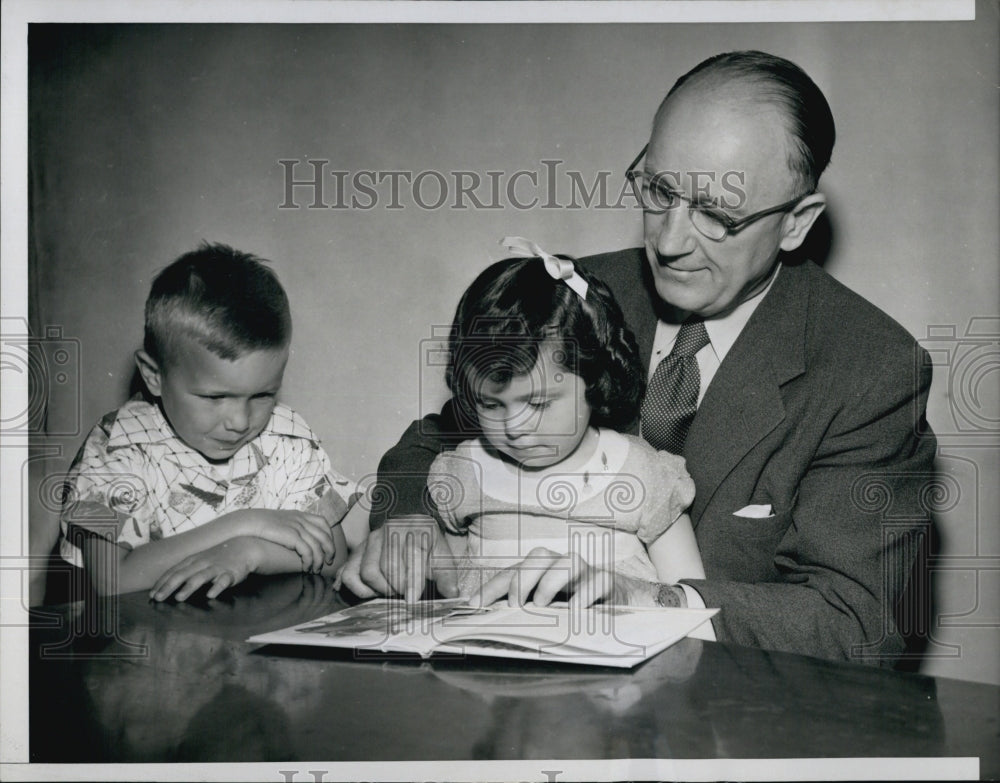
{"x": 538, "y": 566}
{"x": 557, "y": 578}
{"x": 392, "y": 563}
{"x": 495, "y": 588}
{"x": 526, "y": 579}
{"x": 445, "y": 574}
{"x": 593, "y": 586}
{"x": 363, "y": 574}
{"x": 587, "y": 592}
{"x": 418, "y": 545}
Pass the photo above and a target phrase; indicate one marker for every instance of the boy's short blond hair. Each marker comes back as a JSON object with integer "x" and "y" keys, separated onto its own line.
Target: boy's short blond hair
{"x": 227, "y": 300}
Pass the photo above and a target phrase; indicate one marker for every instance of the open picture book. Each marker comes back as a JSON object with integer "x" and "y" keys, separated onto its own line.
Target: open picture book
{"x": 602, "y": 635}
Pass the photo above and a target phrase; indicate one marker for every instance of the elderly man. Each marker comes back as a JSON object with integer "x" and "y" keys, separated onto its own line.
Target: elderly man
{"x": 796, "y": 403}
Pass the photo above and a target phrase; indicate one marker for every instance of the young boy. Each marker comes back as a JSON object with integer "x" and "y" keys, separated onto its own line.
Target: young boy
{"x": 209, "y": 480}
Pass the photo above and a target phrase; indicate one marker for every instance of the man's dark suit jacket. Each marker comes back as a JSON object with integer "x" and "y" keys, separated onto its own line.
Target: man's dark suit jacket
{"x": 816, "y": 410}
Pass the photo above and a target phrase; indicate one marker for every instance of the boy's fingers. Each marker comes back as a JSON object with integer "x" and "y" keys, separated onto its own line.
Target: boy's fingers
{"x": 296, "y": 531}
{"x": 178, "y": 577}
{"x": 170, "y": 586}
{"x": 313, "y": 535}
{"x": 220, "y": 583}
{"x": 317, "y": 549}
{"x": 323, "y": 532}
{"x": 168, "y": 582}
{"x": 196, "y": 579}
{"x": 298, "y": 534}
{"x": 290, "y": 538}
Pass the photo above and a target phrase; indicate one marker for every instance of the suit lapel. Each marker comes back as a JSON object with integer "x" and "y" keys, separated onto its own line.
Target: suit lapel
{"x": 743, "y": 403}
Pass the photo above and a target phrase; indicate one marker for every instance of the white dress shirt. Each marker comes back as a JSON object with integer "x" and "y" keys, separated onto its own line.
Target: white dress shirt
{"x": 722, "y": 334}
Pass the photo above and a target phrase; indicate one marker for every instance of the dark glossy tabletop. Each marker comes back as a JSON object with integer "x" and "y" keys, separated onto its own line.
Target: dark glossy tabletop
{"x": 178, "y": 683}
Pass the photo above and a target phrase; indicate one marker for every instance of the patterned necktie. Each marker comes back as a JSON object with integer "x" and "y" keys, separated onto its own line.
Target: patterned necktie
{"x": 672, "y": 395}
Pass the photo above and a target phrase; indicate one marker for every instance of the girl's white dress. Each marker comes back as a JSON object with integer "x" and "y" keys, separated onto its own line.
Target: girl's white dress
{"x": 623, "y": 498}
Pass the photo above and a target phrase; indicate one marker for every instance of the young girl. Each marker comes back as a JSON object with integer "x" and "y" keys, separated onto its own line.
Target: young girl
{"x": 542, "y": 365}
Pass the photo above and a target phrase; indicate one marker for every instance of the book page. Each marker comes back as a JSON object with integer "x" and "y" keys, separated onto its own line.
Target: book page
{"x": 382, "y": 624}
{"x": 600, "y": 632}
{"x": 601, "y": 635}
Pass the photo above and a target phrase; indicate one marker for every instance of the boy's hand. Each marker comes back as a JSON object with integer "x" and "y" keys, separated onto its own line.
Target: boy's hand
{"x": 221, "y": 566}
{"x": 309, "y": 535}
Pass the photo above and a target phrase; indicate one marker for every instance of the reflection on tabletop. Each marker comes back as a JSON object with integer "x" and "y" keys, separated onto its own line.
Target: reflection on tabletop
{"x": 538, "y": 713}
{"x": 200, "y": 692}
{"x": 195, "y": 694}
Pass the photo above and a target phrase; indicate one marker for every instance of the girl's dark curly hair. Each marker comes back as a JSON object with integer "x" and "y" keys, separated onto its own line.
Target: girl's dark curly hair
{"x": 512, "y": 308}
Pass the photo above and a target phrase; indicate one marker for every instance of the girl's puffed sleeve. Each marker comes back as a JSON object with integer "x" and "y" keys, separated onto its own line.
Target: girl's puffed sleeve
{"x": 670, "y": 491}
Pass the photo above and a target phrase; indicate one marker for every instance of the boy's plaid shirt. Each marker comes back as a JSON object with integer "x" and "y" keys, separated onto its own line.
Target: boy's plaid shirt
{"x": 133, "y": 481}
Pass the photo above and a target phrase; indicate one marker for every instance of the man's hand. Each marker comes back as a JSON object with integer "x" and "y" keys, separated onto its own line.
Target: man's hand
{"x": 398, "y": 559}
{"x": 543, "y": 574}
{"x": 221, "y": 566}
{"x": 309, "y": 535}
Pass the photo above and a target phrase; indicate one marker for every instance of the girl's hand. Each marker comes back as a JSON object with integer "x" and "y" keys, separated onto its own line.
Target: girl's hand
{"x": 350, "y": 574}
{"x": 546, "y": 573}
{"x": 309, "y": 535}
{"x": 221, "y": 566}
{"x": 398, "y": 559}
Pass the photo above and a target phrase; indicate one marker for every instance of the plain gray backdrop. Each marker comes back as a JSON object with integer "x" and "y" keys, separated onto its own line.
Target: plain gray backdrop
{"x": 147, "y": 139}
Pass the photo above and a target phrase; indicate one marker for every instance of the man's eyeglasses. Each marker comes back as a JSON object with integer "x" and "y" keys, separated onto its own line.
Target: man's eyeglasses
{"x": 655, "y": 196}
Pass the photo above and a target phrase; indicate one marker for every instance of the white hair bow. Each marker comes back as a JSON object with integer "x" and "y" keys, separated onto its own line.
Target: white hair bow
{"x": 558, "y": 268}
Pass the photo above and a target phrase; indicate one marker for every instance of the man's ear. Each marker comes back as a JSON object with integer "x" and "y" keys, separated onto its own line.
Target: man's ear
{"x": 149, "y": 370}
{"x": 801, "y": 219}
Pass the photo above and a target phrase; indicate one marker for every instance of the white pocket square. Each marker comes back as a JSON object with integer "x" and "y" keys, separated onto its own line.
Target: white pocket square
{"x": 755, "y": 512}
